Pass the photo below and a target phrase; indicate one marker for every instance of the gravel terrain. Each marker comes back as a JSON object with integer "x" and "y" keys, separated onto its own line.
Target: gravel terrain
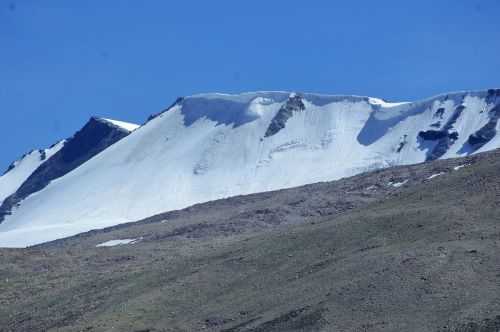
{"x": 411, "y": 248}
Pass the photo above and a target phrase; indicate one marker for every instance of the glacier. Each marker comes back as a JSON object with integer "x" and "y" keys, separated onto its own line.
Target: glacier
{"x": 211, "y": 146}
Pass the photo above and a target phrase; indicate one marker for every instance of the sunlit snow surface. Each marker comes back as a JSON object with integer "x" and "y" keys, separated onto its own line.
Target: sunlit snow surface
{"x": 383, "y": 103}
{"x": 23, "y": 168}
{"x": 212, "y": 146}
{"x": 113, "y": 243}
{"x": 398, "y": 184}
{"x": 434, "y": 176}
{"x": 124, "y": 125}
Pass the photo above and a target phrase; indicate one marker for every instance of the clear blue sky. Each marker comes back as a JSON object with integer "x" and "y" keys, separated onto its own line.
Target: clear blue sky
{"x": 64, "y": 61}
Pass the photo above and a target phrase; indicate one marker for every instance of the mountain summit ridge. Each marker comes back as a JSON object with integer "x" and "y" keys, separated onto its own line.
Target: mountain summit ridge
{"x": 61, "y": 158}
{"x": 212, "y": 146}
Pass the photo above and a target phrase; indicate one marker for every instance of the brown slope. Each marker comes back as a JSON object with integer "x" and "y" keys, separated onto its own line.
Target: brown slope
{"x": 351, "y": 255}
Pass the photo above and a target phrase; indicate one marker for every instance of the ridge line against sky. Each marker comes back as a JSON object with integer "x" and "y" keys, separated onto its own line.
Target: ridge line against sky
{"x": 62, "y": 62}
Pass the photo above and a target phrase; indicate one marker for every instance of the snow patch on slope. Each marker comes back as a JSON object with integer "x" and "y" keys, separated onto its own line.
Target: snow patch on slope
{"x": 456, "y": 168}
{"x": 435, "y": 175}
{"x": 113, "y": 243}
{"x": 398, "y": 184}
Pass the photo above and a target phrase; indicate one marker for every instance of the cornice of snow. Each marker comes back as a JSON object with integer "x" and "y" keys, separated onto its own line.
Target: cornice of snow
{"x": 118, "y": 124}
{"x": 210, "y": 146}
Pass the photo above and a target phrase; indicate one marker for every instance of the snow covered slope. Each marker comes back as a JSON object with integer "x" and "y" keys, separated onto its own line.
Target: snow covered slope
{"x": 37, "y": 169}
{"x": 121, "y": 124}
{"x": 21, "y": 169}
{"x": 212, "y": 146}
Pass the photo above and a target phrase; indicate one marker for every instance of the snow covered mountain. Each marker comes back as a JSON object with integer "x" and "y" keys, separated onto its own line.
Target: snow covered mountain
{"x": 37, "y": 169}
{"x": 21, "y": 169}
{"x": 212, "y": 146}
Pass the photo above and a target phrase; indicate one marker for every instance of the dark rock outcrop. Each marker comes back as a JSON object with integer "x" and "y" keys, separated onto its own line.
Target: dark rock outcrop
{"x": 442, "y": 146}
{"x": 432, "y": 135}
{"x": 402, "y": 143}
{"x": 487, "y": 132}
{"x": 493, "y": 94}
{"x": 439, "y": 113}
{"x": 293, "y": 104}
{"x": 94, "y": 137}
{"x": 445, "y": 137}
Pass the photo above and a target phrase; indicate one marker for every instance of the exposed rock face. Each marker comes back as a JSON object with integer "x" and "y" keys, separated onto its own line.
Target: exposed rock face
{"x": 439, "y": 113}
{"x": 487, "y": 132}
{"x": 432, "y": 135}
{"x": 445, "y": 137}
{"x": 402, "y": 143}
{"x": 93, "y": 138}
{"x": 493, "y": 93}
{"x": 293, "y": 104}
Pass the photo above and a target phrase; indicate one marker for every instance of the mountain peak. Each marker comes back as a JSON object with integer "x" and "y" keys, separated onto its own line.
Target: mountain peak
{"x": 121, "y": 125}
{"x": 211, "y": 146}
{"x": 94, "y": 137}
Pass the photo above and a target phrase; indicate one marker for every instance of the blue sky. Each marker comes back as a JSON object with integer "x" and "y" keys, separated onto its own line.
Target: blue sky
{"x": 64, "y": 61}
